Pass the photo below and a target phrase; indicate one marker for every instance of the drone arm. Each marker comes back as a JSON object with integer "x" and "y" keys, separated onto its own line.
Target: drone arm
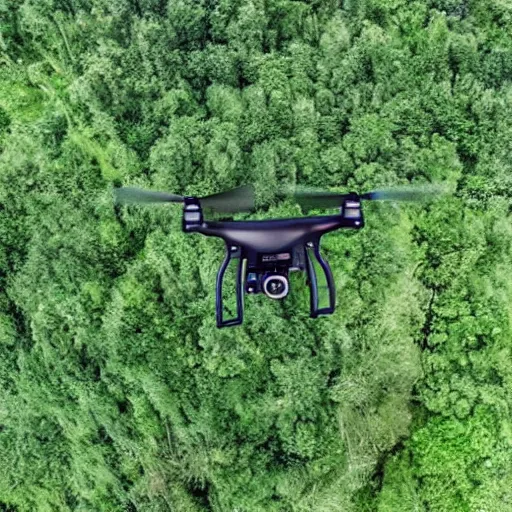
{"x": 314, "y": 248}
{"x": 232, "y": 252}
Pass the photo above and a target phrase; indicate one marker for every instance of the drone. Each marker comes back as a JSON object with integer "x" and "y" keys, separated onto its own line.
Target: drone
{"x": 266, "y": 251}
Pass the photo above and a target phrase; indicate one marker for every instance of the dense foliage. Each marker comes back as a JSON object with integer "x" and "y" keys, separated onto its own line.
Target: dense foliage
{"x": 117, "y": 391}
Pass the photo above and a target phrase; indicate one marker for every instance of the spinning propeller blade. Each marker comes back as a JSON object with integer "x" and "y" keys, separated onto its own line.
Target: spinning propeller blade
{"x": 417, "y": 193}
{"x": 240, "y": 199}
{"x": 311, "y": 199}
{"x": 127, "y": 195}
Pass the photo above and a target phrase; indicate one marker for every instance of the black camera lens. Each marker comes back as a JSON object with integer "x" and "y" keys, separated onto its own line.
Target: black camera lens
{"x": 276, "y": 286}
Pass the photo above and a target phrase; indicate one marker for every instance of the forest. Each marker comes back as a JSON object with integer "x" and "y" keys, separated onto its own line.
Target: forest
{"x": 117, "y": 391}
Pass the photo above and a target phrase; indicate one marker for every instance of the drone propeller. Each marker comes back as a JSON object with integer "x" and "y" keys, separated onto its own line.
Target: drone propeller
{"x": 126, "y": 195}
{"x": 311, "y": 199}
{"x": 417, "y": 193}
{"x": 239, "y": 199}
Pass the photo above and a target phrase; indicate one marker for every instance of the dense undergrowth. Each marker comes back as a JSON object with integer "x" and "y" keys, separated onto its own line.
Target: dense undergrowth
{"x": 118, "y": 393}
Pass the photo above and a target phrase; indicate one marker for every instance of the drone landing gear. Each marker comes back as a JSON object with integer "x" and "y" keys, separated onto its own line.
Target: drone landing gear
{"x": 268, "y": 273}
{"x": 232, "y": 252}
{"x": 313, "y": 261}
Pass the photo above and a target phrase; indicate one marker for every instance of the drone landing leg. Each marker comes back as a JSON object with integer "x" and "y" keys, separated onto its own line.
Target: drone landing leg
{"x": 313, "y": 253}
{"x": 232, "y": 252}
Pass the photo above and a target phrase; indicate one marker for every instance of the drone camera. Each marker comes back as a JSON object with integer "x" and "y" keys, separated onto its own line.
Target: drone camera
{"x": 276, "y": 286}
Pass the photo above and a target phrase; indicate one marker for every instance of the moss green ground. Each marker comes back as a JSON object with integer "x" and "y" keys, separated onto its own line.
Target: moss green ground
{"x": 118, "y": 393}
